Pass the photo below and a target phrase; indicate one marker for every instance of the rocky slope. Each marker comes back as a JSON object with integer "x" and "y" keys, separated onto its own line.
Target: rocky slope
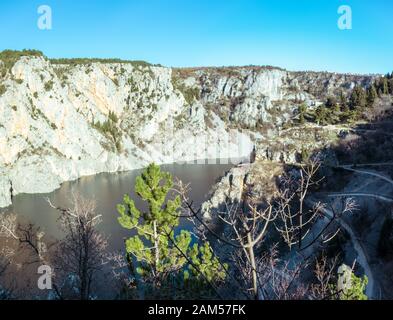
{"x": 59, "y": 122}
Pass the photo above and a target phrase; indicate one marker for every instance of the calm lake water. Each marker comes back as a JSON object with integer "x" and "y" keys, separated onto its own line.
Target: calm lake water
{"x": 108, "y": 191}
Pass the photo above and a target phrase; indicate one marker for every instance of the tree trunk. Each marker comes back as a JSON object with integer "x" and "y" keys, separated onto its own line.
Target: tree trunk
{"x": 253, "y": 266}
{"x": 156, "y": 247}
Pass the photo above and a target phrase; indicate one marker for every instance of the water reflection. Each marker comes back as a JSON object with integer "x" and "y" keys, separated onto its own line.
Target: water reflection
{"x": 108, "y": 190}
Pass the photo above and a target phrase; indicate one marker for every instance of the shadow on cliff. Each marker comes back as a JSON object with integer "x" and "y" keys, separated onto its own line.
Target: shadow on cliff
{"x": 358, "y": 166}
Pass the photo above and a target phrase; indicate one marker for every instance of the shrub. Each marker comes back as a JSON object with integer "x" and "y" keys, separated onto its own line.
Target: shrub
{"x": 110, "y": 130}
{"x": 85, "y": 61}
{"x": 189, "y": 93}
{"x": 3, "y": 89}
{"x": 10, "y": 57}
{"x": 49, "y": 85}
{"x": 113, "y": 117}
{"x": 302, "y": 111}
{"x": 305, "y": 155}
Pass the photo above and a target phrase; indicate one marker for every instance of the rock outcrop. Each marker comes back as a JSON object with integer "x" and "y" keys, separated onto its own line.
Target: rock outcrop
{"x": 256, "y": 180}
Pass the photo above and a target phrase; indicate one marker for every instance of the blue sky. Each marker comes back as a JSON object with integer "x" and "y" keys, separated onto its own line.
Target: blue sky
{"x": 293, "y": 34}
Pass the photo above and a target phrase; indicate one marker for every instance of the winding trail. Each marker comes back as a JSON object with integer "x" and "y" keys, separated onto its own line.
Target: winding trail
{"x": 362, "y": 258}
{"x": 370, "y": 173}
{"x": 358, "y": 194}
{"x": 358, "y": 247}
{"x": 375, "y": 164}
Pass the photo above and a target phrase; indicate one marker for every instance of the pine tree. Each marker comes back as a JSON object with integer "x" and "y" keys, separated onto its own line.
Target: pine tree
{"x": 162, "y": 257}
{"x": 344, "y": 103}
{"x": 331, "y": 102}
{"x": 321, "y": 115}
{"x": 204, "y": 267}
{"x": 391, "y": 86}
{"x": 354, "y": 98}
{"x": 358, "y": 98}
{"x": 371, "y": 95}
{"x": 336, "y": 109}
{"x": 302, "y": 112}
{"x": 385, "y": 86}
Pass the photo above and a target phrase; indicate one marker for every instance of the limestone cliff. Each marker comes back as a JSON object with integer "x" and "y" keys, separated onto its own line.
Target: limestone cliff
{"x": 61, "y": 121}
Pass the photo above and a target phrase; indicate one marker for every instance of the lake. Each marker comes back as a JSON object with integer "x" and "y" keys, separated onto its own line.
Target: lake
{"x": 108, "y": 190}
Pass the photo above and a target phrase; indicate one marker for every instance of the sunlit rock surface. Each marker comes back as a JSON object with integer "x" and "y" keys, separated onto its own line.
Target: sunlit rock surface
{"x": 61, "y": 122}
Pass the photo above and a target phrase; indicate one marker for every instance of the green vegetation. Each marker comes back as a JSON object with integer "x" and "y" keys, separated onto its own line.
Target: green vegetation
{"x": 305, "y": 155}
{"x": 372, "y": 95}
{"x": 355, "y": 106}
{"x": 322, "y": 115}
{"x": 110, "y": 129}
{"x": 3, "y": 89}
{"x": 116, "y": 82}
{"x": 356, "y": 289}
{"x": 49, "y": 85}
{"x": 61, "y": 74}
{"x": 85, "y": 61}
{"x": 190, "y": 94}
{"x": 113, "y": 117}
{"x": 348, "y": 285}
{"x": 10, "y": 57}
{"x": 131, "y": 82}
{"x": 302, "y": 112}
{"x": 36, "y": 113}
{"x": 161, "y": 257}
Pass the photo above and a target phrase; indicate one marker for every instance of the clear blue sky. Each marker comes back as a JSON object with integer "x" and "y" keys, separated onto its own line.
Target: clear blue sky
{"x": 293, "y": 34}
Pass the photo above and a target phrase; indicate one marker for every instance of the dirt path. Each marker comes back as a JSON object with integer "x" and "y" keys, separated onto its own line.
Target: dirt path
{"x": 361, "y": 254}
{"x": 367, "y": 172}
{"x": 359, "y": 194}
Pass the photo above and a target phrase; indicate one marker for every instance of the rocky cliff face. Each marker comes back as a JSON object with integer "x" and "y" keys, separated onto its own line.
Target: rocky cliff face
{"x": 59, "y": 122}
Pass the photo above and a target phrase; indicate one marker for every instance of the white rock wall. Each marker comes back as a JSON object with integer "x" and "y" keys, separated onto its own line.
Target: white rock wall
{"x": 47, "y": 113}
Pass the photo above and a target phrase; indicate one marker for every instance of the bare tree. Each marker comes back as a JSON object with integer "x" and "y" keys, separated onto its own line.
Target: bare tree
{"x": 282, "y": 278}
{"x": 81, "y": 254}
{"x": 22, "y": 247}
{"x": 295, "y": 221}
{"x": 260, "y": 272}
{"x": 27, "y": 236}
{"x": 6, "y": 254}
{"x": 249, "y": 229}
{"x": 325, "y": 274}
{"x": 298, "y": 214}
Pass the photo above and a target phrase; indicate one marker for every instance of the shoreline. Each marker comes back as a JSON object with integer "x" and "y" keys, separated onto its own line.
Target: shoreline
{"x": 234, "y": 161}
